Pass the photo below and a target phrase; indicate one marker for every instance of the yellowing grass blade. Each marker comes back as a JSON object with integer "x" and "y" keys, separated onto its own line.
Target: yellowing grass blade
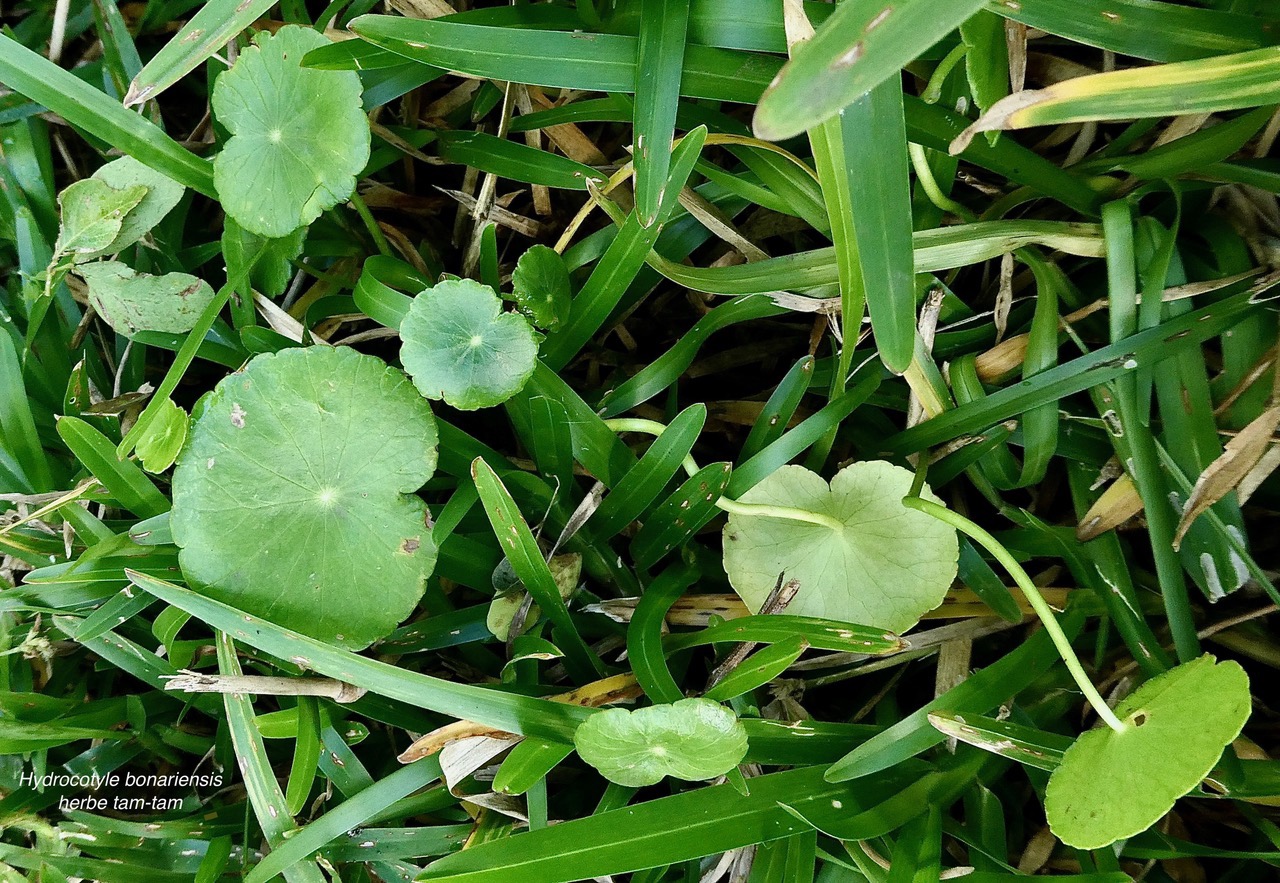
{"x": 1207, "y": 85}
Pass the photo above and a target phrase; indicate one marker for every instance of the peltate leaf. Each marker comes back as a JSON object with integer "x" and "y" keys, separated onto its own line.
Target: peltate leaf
{"x": 298, "y": 136}
{"x": 1112, "y": 785}
{"x": 692, "y": 739}
{"x": 131, "y": 302}
{"x": 292, "y": 500}
{"x": 886, "y": 568}
{"x": 459, "y": 345}
{"x": 540, "y": 285}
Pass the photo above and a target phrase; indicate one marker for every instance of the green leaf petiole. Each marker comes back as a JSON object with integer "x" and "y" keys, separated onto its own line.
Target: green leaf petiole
{"x": 1034, "y": 598}
{"x": 789, "y": 513}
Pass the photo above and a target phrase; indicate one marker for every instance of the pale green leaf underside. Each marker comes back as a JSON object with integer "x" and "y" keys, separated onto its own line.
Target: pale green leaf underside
{"x": 92, "y": 216}
{"x": 131, "y": 302}
{"x": 693, "y": 739}
{"x": 459, "y": 345}
{"x": 1112, "y": 785}
{"x": 162, "y": 194}
{"x": 292, "y": 498}
{"x": 887, "y": 568}
{"x": 299, "y": 136}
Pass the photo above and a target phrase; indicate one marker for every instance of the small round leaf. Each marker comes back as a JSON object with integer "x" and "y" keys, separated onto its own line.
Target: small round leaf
{"x": 459, "y": 345}
{"x": 1112, "y": 785}
{"x": 886, "y": 568}
{"x": 540, "y": 286}
{"x": 293, "y": 498}
{"x": 159, "y": 445}
{"x": 298, "y": 138}
{"x": 693, "y": 739}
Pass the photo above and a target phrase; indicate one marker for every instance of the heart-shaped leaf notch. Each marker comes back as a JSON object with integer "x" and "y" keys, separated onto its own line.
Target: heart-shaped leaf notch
{"x": 1114, "y": 784}
{"x": 693, "y": 739}
{"x": 299, "y": 136}
{"x": 292, "y": 499}
{"x": 873, "y": 561}
{"x": 459, "y": 345}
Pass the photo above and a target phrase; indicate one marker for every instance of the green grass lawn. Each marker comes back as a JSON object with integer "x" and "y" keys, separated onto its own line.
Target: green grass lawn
{"x": 755, "y": 441}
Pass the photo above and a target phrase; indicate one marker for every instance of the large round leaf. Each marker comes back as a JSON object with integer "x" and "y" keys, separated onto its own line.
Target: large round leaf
{"x": 692, "y": 739}
{"x": 460, "y": 346}
{"x": 1112, "y": 785}
{"x": 886, "y": 568}
{"x": 292, "y": 498}
{"x": 298, "y": 138}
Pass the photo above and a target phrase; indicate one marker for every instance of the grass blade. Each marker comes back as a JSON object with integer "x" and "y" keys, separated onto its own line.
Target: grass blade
{"x": 874, "y": 130}
{"x": 659, "y": 64}
{"x": 350, "y": 814}
{"x": 1207, "y": 85}
{"x": 859, "y": 47}
{"x": 217, "y": 22}
{"x": 269, "y": 805}
{"x": 516, "y": 714}
{"x": 526, "y": 559}
{"x": 93, "y": 111}
{"x": 1143, "y": 29}
{"x": 714, "y": 820}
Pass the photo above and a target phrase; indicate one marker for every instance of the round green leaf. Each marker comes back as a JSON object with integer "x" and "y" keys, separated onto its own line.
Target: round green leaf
{"x": 159, "y": 445}
{"x": 298, "y": 138}
{"x": 163, "y": 193}
{"x": 540, "y": 286}
{"x": 131, "y": 302}
{"x": 292, "y": 500}
{"x": 459, "y": 345}
{"x": 1112, "y": 785}
{"x": 886, "y": 568}
{"x": 692, "y": 739}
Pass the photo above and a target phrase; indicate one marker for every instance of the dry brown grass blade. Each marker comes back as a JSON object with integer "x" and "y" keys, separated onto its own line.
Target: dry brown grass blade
{"x": 603, "y": 692}
{"x": 696, "y": 611}
{"x": 1118, "y": 504}
{"x": 1231, "y": 467}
